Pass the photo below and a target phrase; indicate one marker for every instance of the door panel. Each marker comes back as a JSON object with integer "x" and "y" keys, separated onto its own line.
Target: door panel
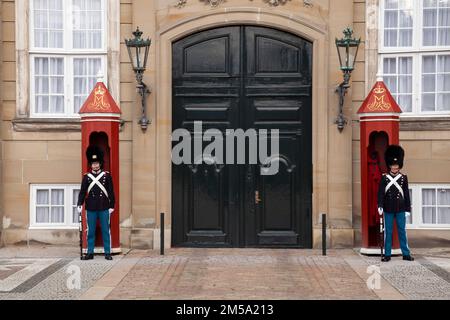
{"x": 206, "y": 87}
{"x": 208, "y": 210}
{"x": 278, "y": 96}
{"x": 244, "y": 77}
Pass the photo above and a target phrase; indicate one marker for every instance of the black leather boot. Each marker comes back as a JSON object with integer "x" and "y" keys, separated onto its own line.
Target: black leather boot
{"x": 386, "y": 259}
{"x": 108, "y": 257}
{"x": 88, "y": 256}
{"x": 408, "y": 258}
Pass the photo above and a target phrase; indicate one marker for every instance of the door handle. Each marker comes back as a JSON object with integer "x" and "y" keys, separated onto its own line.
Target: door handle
{"x": 249, "y": 173}
{"x": 257, "y": 198}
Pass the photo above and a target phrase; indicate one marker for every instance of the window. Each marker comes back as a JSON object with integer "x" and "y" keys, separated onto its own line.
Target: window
{"x": 53, "y": 206}
{"x": 85, "y": 77}
{"x": 436, "y": 23}
{"x": 430, "y": 206}
{"x": 398, "y": 77}
{"x": 415, "y": 54}
{"x": 436, "y": 83}
{"x": 67, "y": 51}
{"x": 398, "y": 23}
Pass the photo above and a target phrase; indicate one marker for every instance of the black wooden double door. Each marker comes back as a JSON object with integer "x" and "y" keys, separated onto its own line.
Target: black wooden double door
{"x": 244, "y": 77}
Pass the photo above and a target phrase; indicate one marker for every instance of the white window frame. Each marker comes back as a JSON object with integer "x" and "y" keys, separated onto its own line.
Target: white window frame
{"x": 415, "y": 88}
{"x": 68, "y": 53}
{"x": 417, "y": 37}
{"x": 381, "y": 46}
{"x": 68, "y": 33}
{"x": 417, "y": 208}
{"x": 68, "y": 206}
{"x": 416, "y": 51}
{"x": 416, "y": 81}
{"x": 68, "y": 83}
{"x": 419, "y": 81}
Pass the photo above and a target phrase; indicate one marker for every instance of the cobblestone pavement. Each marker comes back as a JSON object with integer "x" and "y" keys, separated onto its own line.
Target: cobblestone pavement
{"x": 426, "y": 278}
{"x": 47, "y": 273}
{"x": 221, "y": 274}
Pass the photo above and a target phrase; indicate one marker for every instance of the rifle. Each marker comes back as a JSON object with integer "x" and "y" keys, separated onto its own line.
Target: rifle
{"x": 382, "y": 235}
{"x": 80, "y": 221}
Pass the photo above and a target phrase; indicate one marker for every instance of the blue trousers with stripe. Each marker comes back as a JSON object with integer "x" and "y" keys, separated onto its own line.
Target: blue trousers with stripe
{"x": 104, "y": 217}
{"x": 401, "y": 230}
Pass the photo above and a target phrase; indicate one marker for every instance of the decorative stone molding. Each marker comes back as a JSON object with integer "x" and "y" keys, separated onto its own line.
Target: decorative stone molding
{"x": 50, "y": 125}
{"x": 275, "y": 3}
{"x": 422, "y": 123}
{"x": 215, "y": 3}
{"x": 181, "y": 3}
{"x": 308, "y": 3}
{"x": 22, "y": 58}
{"x": 425, "y": 124}
{"x": 46, "y": 125}
{"x": 371, "y": 44}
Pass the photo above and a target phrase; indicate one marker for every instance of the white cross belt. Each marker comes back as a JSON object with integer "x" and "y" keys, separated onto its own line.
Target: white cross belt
{"x": 95, "y": 181}
{"x": 393, "y": 182}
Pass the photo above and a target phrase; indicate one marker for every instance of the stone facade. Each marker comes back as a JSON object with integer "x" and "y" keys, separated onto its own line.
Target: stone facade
{"x": 48, "y": 151}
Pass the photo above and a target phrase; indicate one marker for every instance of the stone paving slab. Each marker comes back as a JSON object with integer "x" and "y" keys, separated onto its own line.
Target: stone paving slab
{"x": 17, "y": 271}
{"x": 56, "y": 281}
{"x": 385, "y": 291}
{"x": 415, "y": 280}
{"x": 223, "y": 274}
{"x": 103, "y": 287}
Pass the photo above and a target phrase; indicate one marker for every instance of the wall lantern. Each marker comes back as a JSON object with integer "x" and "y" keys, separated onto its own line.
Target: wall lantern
{"x": 138, "y": 49}
{"x": 347, "y": 48}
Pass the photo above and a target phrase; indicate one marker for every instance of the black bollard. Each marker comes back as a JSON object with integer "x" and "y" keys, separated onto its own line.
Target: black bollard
{"x": 324, "y": 234}
{"x": 161, "y": 242}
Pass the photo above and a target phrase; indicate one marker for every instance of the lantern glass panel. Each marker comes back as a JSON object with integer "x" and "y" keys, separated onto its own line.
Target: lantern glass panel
{"x": 347, "y": 56}
{"x": 352, "y": 52}
{"x": 131, "y": 54}
{"x": 145, "y": 56}
{"x": 343, "y": 56}
{"x": 138, "y": 63}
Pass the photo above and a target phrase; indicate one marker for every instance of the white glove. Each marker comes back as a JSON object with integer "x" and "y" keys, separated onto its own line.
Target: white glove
{"x": 407, "y": 214}
{"x": 380, "y": 211}
{"x": 111, "y": 210}
{"x": 79, "y": 208}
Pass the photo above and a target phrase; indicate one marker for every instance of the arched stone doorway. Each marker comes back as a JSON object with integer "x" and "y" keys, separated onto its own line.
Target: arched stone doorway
{"x": 300, "y": 26}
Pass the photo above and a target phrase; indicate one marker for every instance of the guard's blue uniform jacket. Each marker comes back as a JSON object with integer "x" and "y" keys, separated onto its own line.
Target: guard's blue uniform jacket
{"x": 96, "y": 199}
{"x": 392, "y": 200}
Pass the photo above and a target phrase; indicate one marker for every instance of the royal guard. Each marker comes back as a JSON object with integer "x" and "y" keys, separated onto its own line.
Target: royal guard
{"x": 97, "y": 193}
{"x": 394, "y": 201}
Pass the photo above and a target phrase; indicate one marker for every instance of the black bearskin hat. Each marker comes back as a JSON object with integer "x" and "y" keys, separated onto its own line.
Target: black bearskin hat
{"x": 394, "y": 155}
{"x": 93, "y": 154}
